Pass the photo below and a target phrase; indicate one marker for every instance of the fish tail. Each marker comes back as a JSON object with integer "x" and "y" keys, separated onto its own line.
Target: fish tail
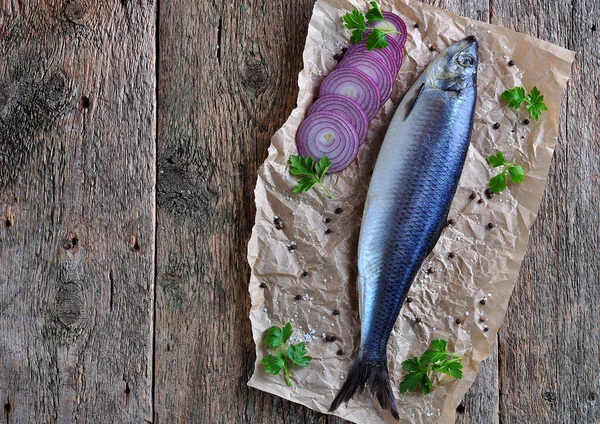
{"x": 371, "y": 373}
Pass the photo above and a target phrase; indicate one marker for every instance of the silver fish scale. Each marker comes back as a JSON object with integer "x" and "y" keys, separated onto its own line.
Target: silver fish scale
{"x": 419, "y": 167}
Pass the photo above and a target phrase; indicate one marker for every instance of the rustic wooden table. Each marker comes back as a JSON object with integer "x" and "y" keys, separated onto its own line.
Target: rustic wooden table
{"x": 131, "y": 132}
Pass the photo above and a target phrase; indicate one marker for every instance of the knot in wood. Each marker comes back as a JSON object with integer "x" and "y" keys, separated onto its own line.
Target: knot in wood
{"x": 76, "y": 11}
{"x": 54, "y": 91}
{"x": 256, "y": 75}
{"x": 69, "y": 304}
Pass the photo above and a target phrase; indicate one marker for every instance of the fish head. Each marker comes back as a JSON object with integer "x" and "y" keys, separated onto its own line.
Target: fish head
{"x": 455, "y": 69}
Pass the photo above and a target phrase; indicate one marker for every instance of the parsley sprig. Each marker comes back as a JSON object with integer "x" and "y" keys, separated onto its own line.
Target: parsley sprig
{"x": 514, "y": 171}
{"x": 435, "y": 359}
{"x": 284, "y": 359}
{"x": 357, "y": 22}
{"x": 313, "y": 172}
{"x": 534, "y": 100}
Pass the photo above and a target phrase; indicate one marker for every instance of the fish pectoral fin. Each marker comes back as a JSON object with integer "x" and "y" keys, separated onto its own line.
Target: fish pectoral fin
{"x": 410, "y": 100}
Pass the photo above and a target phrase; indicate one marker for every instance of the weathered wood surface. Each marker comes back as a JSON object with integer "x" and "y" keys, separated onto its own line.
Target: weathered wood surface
{"x": 77, "y": 142}
{"x": 94, "y": 324}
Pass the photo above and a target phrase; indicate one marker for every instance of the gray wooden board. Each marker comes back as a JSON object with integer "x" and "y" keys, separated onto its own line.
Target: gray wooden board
{"x": 77, "y": 208}
{"x": 83, "y": 211}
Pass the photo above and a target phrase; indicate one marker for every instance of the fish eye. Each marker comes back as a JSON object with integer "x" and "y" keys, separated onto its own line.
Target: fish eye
{"x": 466, "y": 60}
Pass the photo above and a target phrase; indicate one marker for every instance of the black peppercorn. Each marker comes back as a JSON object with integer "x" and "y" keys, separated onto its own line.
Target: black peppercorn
{"x": 298, "y": 297}
{"x": 511, "y": 63}
{"x": 451, "y": 255}
{"x": 491, "y": 225}
{"x": 459, "y": 320}
{"x": 483, "y": 301}
{"x": 328, "y": 231}
{"x": 305, "y": 274}
{"x": 327, "y": 220}
{"x": 340, "y": 352}
{"x": 338, "y": 211}
{"x": 409, "y": 299}
{"x": 526, "y": 121}
{"x": 278, "y": 223}
{"x": 480, "y": 201}
{"x": 418, "y": 320}
{"x": 336, "y": 312}
{"x": 451, "y": 222}
{"x": 485, "y": 329}
{"x": 263, "y": 286}
{"x": 489, "y": 194}
{"x": 472, "y": 196}
{"x": 416, "y": 25}
{"x": 496, "y": 126}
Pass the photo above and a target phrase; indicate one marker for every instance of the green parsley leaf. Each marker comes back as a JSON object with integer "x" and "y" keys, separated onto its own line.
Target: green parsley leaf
{"x": 497, "y": 160}
{"x": 305, "y": 184}
{"x": 301, "y": 165}
{"x": 514, "y": 97}
{"x": 287, "y": 332}
{"x": 374, "y": 14}
{"x": 297, "y": 353}
{"x": 416, "y": 381}
{"x": 376, "y": 40}
{"x": 436, "y": 358}
{"x": 413, "y": 364}
{"x": 498, "y": 183}
{"x": 357, "y": 36}
{"x": 453, "y": 369}
{"x": 534, "y": 100}
{"x": 275, "y": 337}
{"x": 436, "y": 353}
{"x": 306, "y": 167}
{"x": 322, "y": 166}
{"x": 273, "y": 364}
{"x": 516, "y": 173}
{"x": 355, "y": 20}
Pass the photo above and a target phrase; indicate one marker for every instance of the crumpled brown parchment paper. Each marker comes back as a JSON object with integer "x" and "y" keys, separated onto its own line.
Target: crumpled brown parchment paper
{"x": 486, "y": 263}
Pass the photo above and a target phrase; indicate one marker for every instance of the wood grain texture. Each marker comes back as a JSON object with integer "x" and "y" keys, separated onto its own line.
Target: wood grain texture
{"x": 77, "y": 141}
{"x": 549, "y": 347}
{"x": 227, "y": 80}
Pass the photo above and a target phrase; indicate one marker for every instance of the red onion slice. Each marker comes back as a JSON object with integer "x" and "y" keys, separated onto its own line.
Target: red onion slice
{"x": 373, "y": 67}
{"x": 347, "y": 109}
{"x": 395, "y": 50}
{"x": 355, "y": 85}
{"x": 327, "y": 134}
{"x": 388, "y": 55}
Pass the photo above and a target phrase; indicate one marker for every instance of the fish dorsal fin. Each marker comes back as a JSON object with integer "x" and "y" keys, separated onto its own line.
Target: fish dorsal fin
{"x": 410, "y": 100}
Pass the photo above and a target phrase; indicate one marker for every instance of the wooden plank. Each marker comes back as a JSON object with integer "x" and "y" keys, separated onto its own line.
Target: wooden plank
{"x": 77, "y": 134}
{"x": 550, "y": 343}
{"x": 227, "y": 82}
